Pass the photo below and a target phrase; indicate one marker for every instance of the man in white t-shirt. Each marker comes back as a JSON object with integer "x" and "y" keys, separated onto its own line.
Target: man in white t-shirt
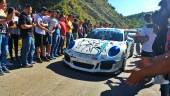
{"x": 148, "y": 34}
{"x": 40, "y": 35}
{"x": 147, "y": 47}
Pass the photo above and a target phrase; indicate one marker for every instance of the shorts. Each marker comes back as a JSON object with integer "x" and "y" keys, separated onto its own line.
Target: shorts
{"x": 40, "y": 40}
{"x": 147, "y": 54}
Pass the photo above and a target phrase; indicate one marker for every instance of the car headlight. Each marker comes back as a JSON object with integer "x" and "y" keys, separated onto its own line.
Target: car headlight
{"x": 114, "y": 51}
{"x": 71, "y": 45}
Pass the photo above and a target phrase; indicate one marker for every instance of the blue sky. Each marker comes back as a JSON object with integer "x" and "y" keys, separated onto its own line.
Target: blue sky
{"x": 128, "y": 7}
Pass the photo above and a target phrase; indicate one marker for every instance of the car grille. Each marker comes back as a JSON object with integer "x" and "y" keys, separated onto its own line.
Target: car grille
{"x": 107, "y": 65}
{"x": 67, "y": 57}
{"x": 83, "y": 65}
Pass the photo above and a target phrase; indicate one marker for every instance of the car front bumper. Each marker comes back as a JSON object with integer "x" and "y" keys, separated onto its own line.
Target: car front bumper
{"x": 91, "y": 65}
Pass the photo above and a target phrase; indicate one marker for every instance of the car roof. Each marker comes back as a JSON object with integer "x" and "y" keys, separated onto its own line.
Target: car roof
{"x": 131, "y": 30}
{"x": 110, "y": 29}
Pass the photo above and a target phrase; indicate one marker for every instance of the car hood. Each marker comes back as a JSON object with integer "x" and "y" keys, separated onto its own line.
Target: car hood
{"x": 95, "y": 46}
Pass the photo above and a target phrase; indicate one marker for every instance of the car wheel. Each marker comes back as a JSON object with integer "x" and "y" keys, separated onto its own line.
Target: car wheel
{"x": 123, "y": 65}
{"x": 122, "y": 68}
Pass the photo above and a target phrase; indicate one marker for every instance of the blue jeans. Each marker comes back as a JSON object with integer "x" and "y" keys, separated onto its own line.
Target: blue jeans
{"x": 61, "y": 45}
{"x": 69, "y": 38}
{"x": 27, "y": 50}
{"x": 55, "y": 45}
{"x": 0, "y": 49}
{"x": 0, "y": 42}
{"x": 4, "y": 50}
{"x": 49, "y": 37}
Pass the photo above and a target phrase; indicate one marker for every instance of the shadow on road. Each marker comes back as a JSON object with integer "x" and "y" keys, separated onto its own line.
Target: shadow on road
{"x": 137, "y": 63}
{"x": 64, "y": 70}
{"x": 137, "y": 56}
{"x": 122, "y": 89}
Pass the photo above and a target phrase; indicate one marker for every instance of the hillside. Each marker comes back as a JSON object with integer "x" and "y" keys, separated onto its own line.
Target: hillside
{"x": 136, "y": 20}
{"x": 95, "y": 10}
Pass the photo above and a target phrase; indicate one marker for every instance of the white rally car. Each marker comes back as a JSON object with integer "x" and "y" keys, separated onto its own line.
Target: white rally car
{"x": 103, "y": 50}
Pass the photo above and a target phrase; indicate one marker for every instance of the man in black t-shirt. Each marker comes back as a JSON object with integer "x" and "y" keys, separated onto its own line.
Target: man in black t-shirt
{"x": 26, "y": 27}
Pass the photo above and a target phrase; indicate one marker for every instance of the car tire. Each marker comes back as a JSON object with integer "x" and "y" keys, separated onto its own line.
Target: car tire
{"x": 123, "y": 64}
{"x": 122, "y": 68}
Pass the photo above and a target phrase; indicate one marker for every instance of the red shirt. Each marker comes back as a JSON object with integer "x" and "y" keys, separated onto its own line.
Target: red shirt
{"x": 63, "y": 28}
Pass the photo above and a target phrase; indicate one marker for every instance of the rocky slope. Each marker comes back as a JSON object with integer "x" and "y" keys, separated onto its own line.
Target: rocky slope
{"x": 95, "y": 10}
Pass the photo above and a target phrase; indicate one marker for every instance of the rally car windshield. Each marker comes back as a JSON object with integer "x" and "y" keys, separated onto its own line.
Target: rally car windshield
{"x": 106, "y": 35}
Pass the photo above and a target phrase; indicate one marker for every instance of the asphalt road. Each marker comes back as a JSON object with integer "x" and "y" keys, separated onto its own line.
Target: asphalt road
{"x": 56, "y": 79}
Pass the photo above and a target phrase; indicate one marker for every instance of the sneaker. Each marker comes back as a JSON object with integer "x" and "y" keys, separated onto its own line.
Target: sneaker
{"x": 28, "y": 66}
{"x": 49, "y": 57}
{"x": 32, "y": 63}
{"x": 62, "y": 52}
{"x": 45, "y": 59}
{"x": 9, "y": 64}
{"x": 6, "y": 70}
{"x": 56, "y": 55}
{"x": 1, "y": 72}
{"x": 39, "y": 60}
{"x": 17, "y": 59}
{"x": 11, "y": 59}
{"x": 53, "y": 58}
{"x": 160, "y": 80}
